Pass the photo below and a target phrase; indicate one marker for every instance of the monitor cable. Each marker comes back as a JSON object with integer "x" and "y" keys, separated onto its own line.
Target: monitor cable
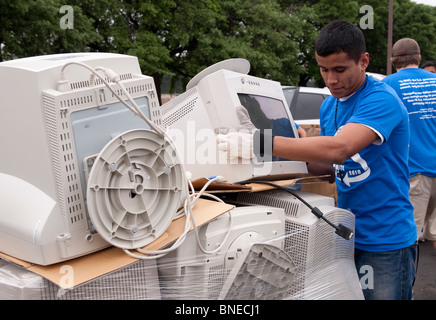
{"x": 341, "y": 230}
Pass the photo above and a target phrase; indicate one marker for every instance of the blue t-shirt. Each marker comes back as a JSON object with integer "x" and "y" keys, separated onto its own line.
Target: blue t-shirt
{"x": 417, "y": 89}
{"x": 374, "y": 183}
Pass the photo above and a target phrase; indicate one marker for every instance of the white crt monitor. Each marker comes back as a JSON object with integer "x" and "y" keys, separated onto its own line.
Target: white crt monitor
{"x": 52, "y": 134}
{"x": 210, "y": 104}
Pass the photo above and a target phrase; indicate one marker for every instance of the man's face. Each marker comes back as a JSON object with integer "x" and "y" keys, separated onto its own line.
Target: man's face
{"x": 342, "y": 75}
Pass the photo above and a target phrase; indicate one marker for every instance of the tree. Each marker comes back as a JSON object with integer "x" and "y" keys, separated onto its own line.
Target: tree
{"x": 410, "y": 20}
{"x": 313, "y": 15}
{"x": 204, "y": 32}
{"x": 135, "y": 28}
{"x": 29, "y": 28}
{"x": 179, "y": 38}
{"x": 306, "y": 54}
{"x": 416, "y": 21}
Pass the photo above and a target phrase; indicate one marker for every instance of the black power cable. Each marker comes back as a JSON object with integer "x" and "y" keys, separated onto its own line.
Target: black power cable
{"x": 341, "y": 230}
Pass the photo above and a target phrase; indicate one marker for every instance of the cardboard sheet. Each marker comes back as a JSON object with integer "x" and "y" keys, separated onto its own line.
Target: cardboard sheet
{"x": 219, "y": 187}
{"x": 222, "y": 187}
{"x": 102, "y": 262}
{"x": 257, "y": 187}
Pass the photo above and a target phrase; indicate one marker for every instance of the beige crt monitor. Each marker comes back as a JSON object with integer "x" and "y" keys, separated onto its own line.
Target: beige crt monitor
{"x": 76, "y": 163}
{"x": 210, "y": 104}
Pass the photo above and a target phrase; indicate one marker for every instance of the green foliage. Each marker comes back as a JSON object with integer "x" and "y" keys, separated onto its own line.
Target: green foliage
{"x": 179, "y": 38}
{"x": 205, "y": 32}
{"x": 417, "y": 22}
{"x": 30, "y": 28}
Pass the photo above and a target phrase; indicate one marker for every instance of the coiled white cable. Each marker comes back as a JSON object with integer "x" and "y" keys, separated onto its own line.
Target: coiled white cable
{"x": 187, "y": 209}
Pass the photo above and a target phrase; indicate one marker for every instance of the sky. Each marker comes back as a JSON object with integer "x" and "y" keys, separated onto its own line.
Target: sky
{"x": 429, "y": 2}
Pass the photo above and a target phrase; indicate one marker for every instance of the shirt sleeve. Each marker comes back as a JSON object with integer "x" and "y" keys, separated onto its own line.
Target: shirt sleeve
{"x": 380, "y": 111}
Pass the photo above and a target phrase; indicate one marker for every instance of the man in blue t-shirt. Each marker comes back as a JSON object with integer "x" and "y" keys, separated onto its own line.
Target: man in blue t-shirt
{"x": 364, "y": 142}
{"x": 365, "y": 136}
{"x": 417, "y": 90}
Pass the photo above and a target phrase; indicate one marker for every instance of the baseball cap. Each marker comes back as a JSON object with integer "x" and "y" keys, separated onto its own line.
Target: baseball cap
{"x": 405, "y": 47}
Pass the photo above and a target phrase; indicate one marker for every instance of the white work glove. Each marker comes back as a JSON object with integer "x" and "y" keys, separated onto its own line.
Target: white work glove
{"x": 236, "y": 145}
{"x": 245, "y": 123}
{"x": 244, "y": 119}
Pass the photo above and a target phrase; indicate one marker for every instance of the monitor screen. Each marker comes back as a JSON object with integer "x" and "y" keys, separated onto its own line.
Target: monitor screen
{"x": 267, "y": 113}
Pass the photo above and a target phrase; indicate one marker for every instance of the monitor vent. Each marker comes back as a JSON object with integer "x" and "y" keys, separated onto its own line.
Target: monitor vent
{"x": 313, "y": 247}
{"x": 182, "y": 112}
{"x": 289, "y": 204}
{"x": 71, "y": 102}
{"x": 170, "y": 115}
{"x": 79, "y": 85}
{"x": 134, "y": 89}
{"x": 73, "y": 197}
{"x": 63, "y": 158}
{"x": 217, "y": 276}
{"x": 51, "y": 125}
{"x": 85, "y": 83}
{"x": 296, "y": 245}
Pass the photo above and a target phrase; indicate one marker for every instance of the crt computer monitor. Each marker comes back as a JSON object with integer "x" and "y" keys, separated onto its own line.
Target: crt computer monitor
{"x": 51, "y": 136}
{"x": 212, "y": 104}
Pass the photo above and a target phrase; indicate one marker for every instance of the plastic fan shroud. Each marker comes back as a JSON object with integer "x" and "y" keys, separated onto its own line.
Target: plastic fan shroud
{"x": 135, "y": 188}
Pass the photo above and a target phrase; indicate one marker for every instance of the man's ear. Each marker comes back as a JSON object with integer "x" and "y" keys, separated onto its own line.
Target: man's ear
{"x": 364, "y": 60}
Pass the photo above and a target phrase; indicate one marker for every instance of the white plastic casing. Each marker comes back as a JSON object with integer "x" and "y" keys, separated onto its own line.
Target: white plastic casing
{"x": 43, "y": 214}
{"x": 209, "y": 104}
{"x": 188, "y": 273}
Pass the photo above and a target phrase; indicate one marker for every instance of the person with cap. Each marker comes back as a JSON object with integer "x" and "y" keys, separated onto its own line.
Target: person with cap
{"x": 417, "y": 89}
{"x": 364, "y": 144}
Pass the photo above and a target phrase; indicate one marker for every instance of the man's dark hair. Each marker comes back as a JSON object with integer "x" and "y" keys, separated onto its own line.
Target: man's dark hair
{"x": 341, "y": 36}
{"x": 428, "y": 64}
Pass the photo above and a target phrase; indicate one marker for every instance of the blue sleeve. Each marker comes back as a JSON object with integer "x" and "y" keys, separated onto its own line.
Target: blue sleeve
{"x": 380, "y": 111}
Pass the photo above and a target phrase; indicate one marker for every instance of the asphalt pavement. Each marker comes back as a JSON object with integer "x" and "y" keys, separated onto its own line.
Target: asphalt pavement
{"x": 425, "y": 283}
